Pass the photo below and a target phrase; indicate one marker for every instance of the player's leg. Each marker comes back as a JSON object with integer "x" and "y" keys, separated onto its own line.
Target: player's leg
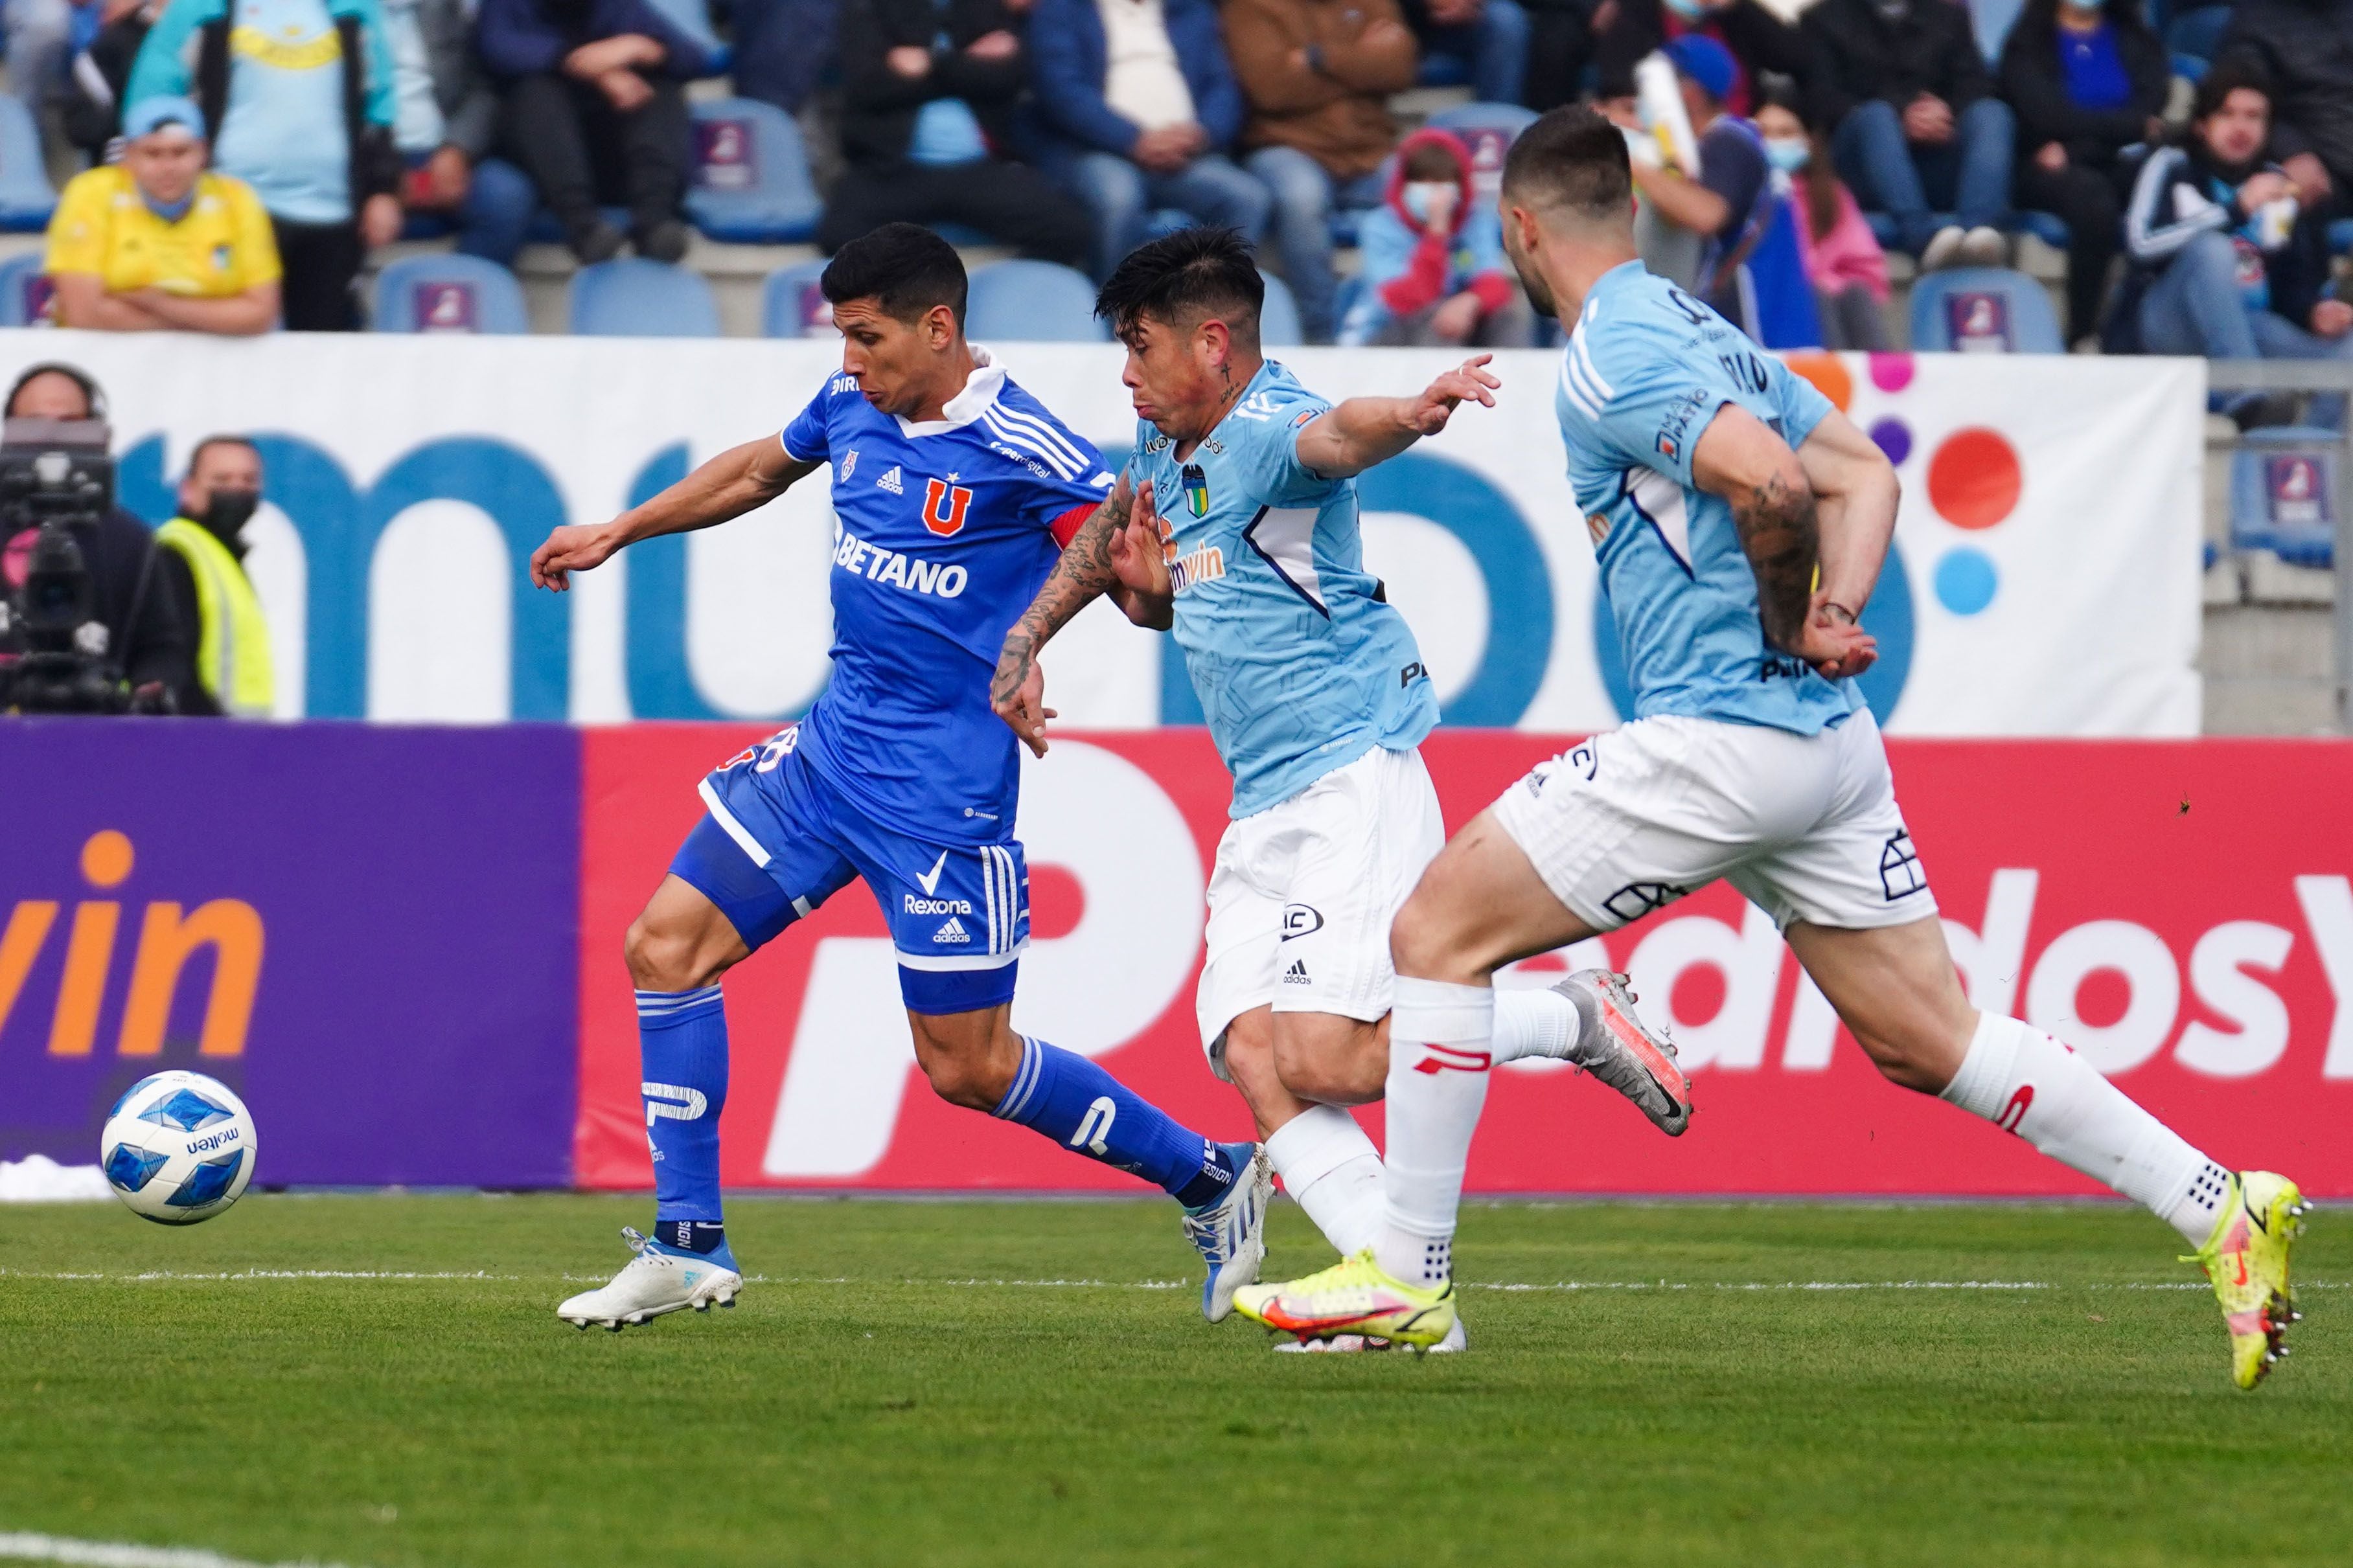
{"x": 1856, "y": 910}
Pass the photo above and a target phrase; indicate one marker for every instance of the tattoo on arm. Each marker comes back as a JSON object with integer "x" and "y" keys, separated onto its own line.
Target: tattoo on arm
{"x": 1083, "y": 574}
{"x": 1781, "y": 537}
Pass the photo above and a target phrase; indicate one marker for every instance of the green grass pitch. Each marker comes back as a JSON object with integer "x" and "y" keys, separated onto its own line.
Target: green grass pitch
{"x": 1031, "y": 1384}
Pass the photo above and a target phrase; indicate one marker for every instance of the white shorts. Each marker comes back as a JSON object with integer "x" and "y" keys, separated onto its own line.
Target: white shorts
{"x": 1302, "y": 895}
{"x": 1805, "y": 826}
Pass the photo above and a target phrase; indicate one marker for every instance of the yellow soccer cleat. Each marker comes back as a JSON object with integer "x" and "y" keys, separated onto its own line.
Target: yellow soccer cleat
{"x": 1355, "y": 1296}
{"x": 2246, "y": 1257}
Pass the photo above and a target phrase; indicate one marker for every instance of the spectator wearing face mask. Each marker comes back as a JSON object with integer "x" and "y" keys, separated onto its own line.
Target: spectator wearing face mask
{"x": 1432, "y": 259}
{"x": 1841, "y": 255}
{"x": 202, "y": 560}
{"x": 2088, "y": 78}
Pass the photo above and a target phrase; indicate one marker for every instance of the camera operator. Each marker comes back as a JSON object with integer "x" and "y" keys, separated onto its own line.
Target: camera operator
{"x": 131, "y": 649}
{"x": 204, "y": 571}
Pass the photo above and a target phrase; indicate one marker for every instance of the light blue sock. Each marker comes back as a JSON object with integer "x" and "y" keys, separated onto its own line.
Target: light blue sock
{"x": 1066, "y": 1098}
{"x": 682, "y": 1046}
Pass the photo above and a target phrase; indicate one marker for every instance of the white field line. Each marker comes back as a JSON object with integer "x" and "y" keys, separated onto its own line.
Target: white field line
{"x": 165, "y": 1275}
{"x": 25, "y": 1547}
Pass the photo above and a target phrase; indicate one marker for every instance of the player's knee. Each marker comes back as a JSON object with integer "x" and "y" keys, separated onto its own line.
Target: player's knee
{"x": 1328, "y": 1059}
{"x": 1421, "y": 941}
{"x": 965, "y": 1080}
{"x": 1903, "y": 1065}
{"x": 662, "y": 956}
{"x": 965, "y": 1068}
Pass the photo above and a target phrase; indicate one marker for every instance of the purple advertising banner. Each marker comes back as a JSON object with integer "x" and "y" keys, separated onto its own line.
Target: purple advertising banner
{"x": 371, "y": 933}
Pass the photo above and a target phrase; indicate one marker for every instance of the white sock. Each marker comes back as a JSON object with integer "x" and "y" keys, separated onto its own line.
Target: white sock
{"x": 2023, "y": 1081}
{"x": 1329, "y": 1169}
{"x": 1536, "y": 1024}
{"x": 1440, "y": 1037}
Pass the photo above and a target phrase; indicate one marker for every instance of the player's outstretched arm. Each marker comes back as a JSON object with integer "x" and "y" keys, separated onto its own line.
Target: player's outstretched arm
{"x": 735, "y": 481}
{"x": 1741, "y": 458}
{"x": 1351, "y": 436}
{"x": 1101, "y": 558}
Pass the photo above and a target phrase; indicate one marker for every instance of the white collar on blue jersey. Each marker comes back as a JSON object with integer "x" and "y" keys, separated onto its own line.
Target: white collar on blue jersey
{"x": 979, "y": 395}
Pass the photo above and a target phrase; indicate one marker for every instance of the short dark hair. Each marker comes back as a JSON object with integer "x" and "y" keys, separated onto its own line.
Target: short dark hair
{"x": 1571, "y": 157}
{"x": 904, "y": 267}
{"x": 196, "y": 453}
{"x": 1432, "y": 160}
{"x": 1186, "y": 277}
{"x": 2235, "y": 72}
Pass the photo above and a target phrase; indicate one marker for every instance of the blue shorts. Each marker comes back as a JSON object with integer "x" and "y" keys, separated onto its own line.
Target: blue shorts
{"x": 779, "y": 841}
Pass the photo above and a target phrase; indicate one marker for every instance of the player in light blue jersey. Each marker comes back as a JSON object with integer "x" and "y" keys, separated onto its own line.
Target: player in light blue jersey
{"x": 952, "y": 491}
{"x": 1235, "y": 521}
{"x": 1740, "y": 522}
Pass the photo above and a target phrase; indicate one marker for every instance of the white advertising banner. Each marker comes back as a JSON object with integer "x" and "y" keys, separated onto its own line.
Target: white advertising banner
{"x": 2044, "y": 583}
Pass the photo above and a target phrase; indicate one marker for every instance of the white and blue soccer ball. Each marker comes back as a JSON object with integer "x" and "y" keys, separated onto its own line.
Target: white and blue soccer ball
{"x": 178, "y": 1148}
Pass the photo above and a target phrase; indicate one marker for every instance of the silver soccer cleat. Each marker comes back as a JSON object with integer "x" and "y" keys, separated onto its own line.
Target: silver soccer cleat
{"x": 1628, "y": 1056}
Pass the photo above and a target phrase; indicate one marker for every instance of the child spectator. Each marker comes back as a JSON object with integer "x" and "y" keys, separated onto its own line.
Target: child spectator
{"x": 1842, "y": 257}
{"x": 1433, "y": 265}
{"x": 2086, "y": 80}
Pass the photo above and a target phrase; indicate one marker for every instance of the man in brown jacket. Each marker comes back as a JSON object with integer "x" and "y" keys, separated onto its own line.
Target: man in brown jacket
{"x": 1318, "y": 74}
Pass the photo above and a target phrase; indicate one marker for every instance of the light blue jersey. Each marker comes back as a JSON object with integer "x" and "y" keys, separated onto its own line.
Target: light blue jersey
{"x": 1645, "y": 373}
{"x": 1300, "y": 663}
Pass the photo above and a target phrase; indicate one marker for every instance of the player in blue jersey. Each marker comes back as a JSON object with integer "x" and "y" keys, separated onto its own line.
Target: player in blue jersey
{"x": 1316, "y": 696}
{"x": 952, "y": 490}
{"x": 1740, "y": 522}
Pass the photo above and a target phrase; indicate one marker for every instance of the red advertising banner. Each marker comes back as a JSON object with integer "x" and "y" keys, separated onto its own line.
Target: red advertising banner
{"x": 2181, "y": 912}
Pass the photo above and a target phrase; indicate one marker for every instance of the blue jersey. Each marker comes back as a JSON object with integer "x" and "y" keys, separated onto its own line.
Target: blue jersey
{"x": 1300, "y": 664}
{"x": 943, "y": 531}
{"x": 1645, "y": 373}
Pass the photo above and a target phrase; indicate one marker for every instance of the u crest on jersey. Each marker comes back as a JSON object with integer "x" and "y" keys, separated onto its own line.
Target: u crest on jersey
{"x": 944, "y": 505}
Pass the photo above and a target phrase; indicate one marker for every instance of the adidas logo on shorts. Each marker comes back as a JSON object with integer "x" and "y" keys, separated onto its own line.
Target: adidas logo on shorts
{"x": 892, "y": 481}
{"x": 953, "y": 932}
{"x": 1297, "y": 974}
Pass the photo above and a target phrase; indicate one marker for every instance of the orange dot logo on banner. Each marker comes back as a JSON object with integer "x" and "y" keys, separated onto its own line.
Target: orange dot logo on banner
{"x": 1829, "y": 375}
{"x": 1974, "y": 478}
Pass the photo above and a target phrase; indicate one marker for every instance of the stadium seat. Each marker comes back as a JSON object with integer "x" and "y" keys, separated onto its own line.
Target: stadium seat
{"x": 2285, "y": 493}
{"x": 790, "y": 305}
{"x": 1033, "y": 302}
{"x": 26, "y": 197}
{"x": 1983, "y": 310}
{"x": 634, "y": 297}
{"x": 1488, "y": 130}
{"x": 751, "y": 182}
{"x": 692, "y": 18}
{"x": 448, "y": 293}
{"x": 2194, "y": 34}
{"x": 24, "y": 291}
{"x": 2048, "y": 227}
{"x": 1278, "y": 318}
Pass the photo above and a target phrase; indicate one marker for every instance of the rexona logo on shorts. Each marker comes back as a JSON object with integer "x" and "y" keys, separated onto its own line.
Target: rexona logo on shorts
{"x": 916, "y": 906}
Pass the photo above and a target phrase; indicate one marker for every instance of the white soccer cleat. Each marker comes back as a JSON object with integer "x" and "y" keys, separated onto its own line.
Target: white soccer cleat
{"x": 1356, "y": 1344}
{"x": 1231, "y": 1234}
{"x": 652, "y": 1283}
{"x": 1628, "y": 1056}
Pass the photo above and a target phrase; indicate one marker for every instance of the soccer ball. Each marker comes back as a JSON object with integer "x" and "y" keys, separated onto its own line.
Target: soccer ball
{"x": 178, "y": 1148}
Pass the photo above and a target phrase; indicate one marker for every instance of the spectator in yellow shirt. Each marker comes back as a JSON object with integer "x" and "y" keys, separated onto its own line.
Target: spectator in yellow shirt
{"x": 158, "y": 242}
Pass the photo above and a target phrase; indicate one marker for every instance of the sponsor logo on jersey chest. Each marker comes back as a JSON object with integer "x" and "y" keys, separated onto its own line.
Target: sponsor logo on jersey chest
{"x": 1206, "y": 564}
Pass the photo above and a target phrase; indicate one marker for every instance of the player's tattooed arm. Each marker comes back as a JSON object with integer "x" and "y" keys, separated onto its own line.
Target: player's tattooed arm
{"x": 737, "y": 480}
{"x": 1016, "y": 691}
{"x": 1741, "y": 458}
{"x": 1781, "y": 538}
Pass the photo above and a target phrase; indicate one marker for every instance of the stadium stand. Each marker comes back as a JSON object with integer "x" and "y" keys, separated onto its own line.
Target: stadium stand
{"x": 750, "y": 175}
{"x": 26, "y": 197}
{"x": 1278, "y": 318}
{"x": 23, "y": 291}
{"x": 1983, "y": 310}
{"x": 1033, "y": 302}
{"x": 634, "y": 297}
{"x": 790, "y": 305}
{"x": 448, "y": 293}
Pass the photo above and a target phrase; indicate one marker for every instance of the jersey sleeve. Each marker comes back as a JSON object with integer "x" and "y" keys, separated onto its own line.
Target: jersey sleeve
{"x": 806, "y": 438}
{"x": 76, "y": 239}
{"x": 1262, "y": 442}
{"x": 1060, "y": 506}
{"x": 1639, "y": 405}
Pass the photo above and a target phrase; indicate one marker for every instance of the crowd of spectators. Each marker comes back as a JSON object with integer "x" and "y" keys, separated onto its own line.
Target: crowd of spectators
{"x": 1064, "y": 129}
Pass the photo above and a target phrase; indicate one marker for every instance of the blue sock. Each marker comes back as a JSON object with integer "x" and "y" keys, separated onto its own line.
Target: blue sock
{"x": 682, "y": 1044}
{"x": 1066, "y": 1098}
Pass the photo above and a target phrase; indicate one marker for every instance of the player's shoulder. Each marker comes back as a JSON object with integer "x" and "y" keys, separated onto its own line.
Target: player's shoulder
{"x": 1277, "y": 402}
{"x": 1018, "y": 426}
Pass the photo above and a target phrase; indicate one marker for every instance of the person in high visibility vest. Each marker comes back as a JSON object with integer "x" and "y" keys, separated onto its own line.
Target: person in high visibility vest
{"x": 202, "y": 559}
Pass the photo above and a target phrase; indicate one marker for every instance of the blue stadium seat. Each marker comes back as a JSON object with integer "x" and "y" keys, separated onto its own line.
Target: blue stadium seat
{"x": 790, "y": 305}
{"x": 25, "y": 292}
{"x": 751, "y": 182}
{"x": 634, "y": 297}
{"x": 692, "y": 18}
{"x": 1991, "y": 21}
{"x": 448, "y": 293}
{"x": 1488, "y": 130}
{"x": 26, "y": 197}
{"x": 1981, "y": 309}
{"x": 2284, "y": 493}
{"x": 2048, "y": 227}
{"x": 1033, "y": 302}
{"x": 1278, "y": 318}
{"x": 2195, "y": 34}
